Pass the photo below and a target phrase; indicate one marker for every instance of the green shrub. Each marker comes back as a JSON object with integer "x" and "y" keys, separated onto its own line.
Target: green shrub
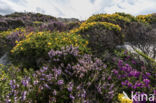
{"x": 33, "y": 50}
{"x": 101, "y": 35}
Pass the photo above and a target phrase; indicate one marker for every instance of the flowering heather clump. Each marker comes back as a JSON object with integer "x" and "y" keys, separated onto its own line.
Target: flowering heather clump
{"x": 83, "y": 80}
{"x": 132, "y": 74}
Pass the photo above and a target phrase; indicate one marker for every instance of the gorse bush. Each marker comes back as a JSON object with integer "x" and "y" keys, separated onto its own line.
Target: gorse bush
{"x": 87, "y": 26}
{"x": 115, "y": 18}
{"x": 101, "y": 35}
{"x": 35, "y": 47}
{"x": 107, "y": 18}
{"x": 145, "y": 18}
{"x": 130, "y": 17}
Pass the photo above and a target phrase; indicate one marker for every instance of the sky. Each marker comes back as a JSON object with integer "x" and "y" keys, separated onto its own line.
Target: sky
{"x": 81, "y": 9}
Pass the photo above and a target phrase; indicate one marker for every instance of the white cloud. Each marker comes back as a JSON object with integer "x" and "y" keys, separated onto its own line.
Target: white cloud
{"x": 82, "y": 9}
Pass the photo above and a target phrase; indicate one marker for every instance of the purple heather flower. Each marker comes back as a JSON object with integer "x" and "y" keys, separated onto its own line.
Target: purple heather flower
{"x": 54, "y": 92}
{"x": 47, "y": 86}
{"x": 72, "y": 97}
{"x": 123, "y": 83}
{"x": 60, "y": 82}
{"x": 12, "y": 82}
{"x": 42, "y": 79}
{"x": 78, "y": 87}
{"x": 83, "y": 94}
{"x": 115, "y": 71}
{"x": 138, "y": 84}
{"x": 146, "y": 81}
{"x": 25, "y": 82}
{"x": 129, "y": 84}
{"x": 35, "y": 82}
{"x": 133, "y": 61}
{"x": 120, "y": 63}
{"x": 135, "y": 73}
{"x": 24, "y": 95}
{"x": 148, "y": 74}
{"x": 109, "y": 78}
{"x": 125, "y": 52}
{"x": 99, "y": 89}
{"x": 70, "y": 87}
{"x": 58, "y": 71}
{"x": 45, "y": 68}
{"x": 42, "y": 70}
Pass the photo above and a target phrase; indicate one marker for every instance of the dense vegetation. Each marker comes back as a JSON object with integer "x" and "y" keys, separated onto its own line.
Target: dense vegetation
{"x": 55, "y": 60}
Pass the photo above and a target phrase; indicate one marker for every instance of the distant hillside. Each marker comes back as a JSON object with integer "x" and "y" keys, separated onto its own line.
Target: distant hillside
{"x": 14, "y": 20}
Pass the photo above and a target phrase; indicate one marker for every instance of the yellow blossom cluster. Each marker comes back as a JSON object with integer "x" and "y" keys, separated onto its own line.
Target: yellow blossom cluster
{"x": 122, "y": 99}
{"x": 86, "y": 26}
{"x": 145, "y": 18}
{"x": 108, "y": 18}
{"x": 8, "y": 32}
{"x": 53, "y": 40}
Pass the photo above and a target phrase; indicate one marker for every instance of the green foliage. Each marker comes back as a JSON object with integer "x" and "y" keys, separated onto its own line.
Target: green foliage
{"x": 33, "y": 50}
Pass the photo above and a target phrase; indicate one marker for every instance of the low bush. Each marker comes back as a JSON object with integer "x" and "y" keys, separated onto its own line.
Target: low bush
{"x": 33, "y": 50}
{"x": 101, "y": 35}
{"x": 72, "y": 25}
{"x": 53, "y": 26}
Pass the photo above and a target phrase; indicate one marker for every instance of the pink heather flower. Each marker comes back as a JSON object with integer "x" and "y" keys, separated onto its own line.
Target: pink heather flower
{"x": 60, "y": 82}
{"x": 146, "y": 81}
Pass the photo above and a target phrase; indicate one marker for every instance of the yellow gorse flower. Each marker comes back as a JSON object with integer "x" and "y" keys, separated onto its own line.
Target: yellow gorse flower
{"x": 144, "y": 18}
{"x": 110, "y": 17}
{"x": 86, "y": 26}
{"x": 122, "y": 99}
{"x": 49, "y": 43}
